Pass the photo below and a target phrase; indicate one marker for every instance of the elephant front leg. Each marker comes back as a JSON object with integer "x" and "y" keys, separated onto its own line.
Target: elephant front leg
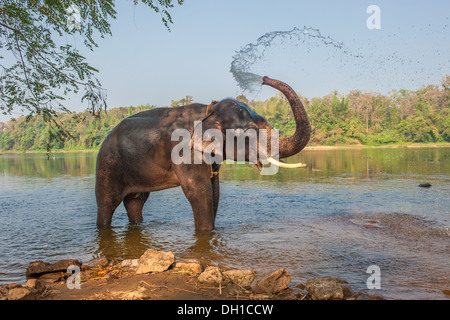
{"x": 197, "y": 187}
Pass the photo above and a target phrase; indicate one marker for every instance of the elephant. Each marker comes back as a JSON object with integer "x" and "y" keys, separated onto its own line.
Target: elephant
{"x": 135, "y": 158}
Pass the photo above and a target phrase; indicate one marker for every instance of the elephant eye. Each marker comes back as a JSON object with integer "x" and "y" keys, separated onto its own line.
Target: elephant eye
{"x": 242, "y": 113}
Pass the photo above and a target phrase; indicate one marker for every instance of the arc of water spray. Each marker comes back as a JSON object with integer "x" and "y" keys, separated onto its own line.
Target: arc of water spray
{"x": 251, "y": 53}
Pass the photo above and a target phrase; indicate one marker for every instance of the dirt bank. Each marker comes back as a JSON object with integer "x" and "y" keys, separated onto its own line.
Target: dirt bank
{"x": 157, "y": 276}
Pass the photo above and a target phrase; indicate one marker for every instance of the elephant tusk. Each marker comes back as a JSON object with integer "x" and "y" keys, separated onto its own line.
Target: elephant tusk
{"x": 285, "y": 165}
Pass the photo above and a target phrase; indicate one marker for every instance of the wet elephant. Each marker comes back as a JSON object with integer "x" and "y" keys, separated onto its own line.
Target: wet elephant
{"x": 135, "y": 159}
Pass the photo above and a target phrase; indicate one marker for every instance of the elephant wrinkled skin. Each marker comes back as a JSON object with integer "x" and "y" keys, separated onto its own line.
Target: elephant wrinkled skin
{"x": 135, "y": 158}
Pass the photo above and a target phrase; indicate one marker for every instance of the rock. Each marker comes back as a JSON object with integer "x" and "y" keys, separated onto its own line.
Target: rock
{"x": 293, "y": 294}
{"x": 243, "y": 278}
{"x": 16, "y": 291}
{"x": 51, "y": 277}
{"x": 190, "y": 266}
{"x": 99, "y": 262}
{"x": 22, "y": 293}
{"x": 348, "y": 291}
{"x": 4, "y": 289}
{"x": 155, "y": 261}
{"x": 365, "y": 295}
{"x": 328, "y": 288}
{"x": 273, "y": 282}
{"x": 425, "y": 185}
{"x": 3, "y": 292}
{"x": 446, "y": 292}
{"x": 36, "y": 284}
{"x": 38, "y": 268}
{"x": 130, "y": 263}
{"x": 211, "y": 276}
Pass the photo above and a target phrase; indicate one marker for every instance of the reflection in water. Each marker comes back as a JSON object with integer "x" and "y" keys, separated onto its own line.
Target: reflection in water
{"x": 135, "y": 239}
{"x": 203, "y": 248}
{"x": 127, "y": 244}
{"x": 37, "y": 165}
{"x": 347, "y": 210}
{"x": 321, "y": 163}
{"x": 361, "y": 163}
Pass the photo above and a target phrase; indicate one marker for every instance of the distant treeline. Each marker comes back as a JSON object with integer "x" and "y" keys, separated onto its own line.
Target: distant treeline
{"x": 367, "y": 118}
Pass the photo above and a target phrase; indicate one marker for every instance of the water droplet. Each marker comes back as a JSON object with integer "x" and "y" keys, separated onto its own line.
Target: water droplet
{"x": 252, "y": 53}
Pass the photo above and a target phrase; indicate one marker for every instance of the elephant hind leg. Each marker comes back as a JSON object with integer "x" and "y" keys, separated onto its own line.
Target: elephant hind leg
{"x": 133, "y": 204}
{"x": 105, "y": 210}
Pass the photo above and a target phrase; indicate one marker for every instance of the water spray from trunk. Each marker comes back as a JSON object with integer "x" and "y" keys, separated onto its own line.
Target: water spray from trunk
{"x": 252, "y": 53}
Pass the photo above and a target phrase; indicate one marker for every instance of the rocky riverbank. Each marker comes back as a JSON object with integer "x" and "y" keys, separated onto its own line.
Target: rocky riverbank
{"x": 157, "y": 275}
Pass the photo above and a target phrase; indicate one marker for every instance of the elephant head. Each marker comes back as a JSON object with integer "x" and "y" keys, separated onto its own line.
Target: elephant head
{"x": 230, "y": 119}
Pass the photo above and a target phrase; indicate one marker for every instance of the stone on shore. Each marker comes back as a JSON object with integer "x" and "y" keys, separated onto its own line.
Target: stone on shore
{"x": 366, "y": 294}
{"x": 36, "y": 284}
{"x": 190, "y": 266}
{"x": 328, "y": 288}
{"x": 53, "y": 277}
{"x": 211, "y": 276}
{"x": 243, "y": 278}
{"x": 101, "y": 262}
{"x": 16, "y": 291}
{"x": 39, "y": 268}
{"x": 4, "y": 289}
{"x": 273, "y": 283}
{"x": 22, "y": 293}
{"x": 155, "y": 261}
{"x": 130, "y": 263}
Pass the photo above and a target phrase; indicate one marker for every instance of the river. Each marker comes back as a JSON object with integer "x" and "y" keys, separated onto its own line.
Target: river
{"x": 348, "y": 210}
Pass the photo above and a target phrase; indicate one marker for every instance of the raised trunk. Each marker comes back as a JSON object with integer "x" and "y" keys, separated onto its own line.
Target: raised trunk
{"x": 288, "y": 146}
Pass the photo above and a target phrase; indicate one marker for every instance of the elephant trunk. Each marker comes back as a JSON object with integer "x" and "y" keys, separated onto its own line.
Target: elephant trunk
{"x": 288, "y": 146}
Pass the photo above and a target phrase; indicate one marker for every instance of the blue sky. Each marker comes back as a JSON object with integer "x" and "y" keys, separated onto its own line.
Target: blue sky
{"x": 144, "y": 63}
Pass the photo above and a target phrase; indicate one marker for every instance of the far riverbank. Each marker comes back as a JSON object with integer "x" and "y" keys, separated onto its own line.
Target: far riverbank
{"x": 310, "y": 147}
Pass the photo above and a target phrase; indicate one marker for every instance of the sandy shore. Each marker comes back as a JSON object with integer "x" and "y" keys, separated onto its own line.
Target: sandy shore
{"x": 157, "y": 275}
{"x": 117, "y": 282}
{"x": 167, "y": 285}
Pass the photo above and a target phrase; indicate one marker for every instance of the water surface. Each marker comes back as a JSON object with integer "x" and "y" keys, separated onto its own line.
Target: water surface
{"x": 347, "y": 210}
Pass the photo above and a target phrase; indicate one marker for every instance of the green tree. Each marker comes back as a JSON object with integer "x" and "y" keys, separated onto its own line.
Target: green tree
{"x": 39, "y": 68}
{"x": 182, "y": 102}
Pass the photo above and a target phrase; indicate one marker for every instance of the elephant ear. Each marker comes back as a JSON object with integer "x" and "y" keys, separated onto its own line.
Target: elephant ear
{"x": 208, "y": 138}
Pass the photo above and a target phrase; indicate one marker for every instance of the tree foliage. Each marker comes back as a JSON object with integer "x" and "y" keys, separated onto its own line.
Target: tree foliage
{"x": 39, "y": 68}
{"x": 87, "y": 130}
{"x": 368, "y": 118}
{"x": 359, "y": 117}
{"x": 182, "y": 102}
